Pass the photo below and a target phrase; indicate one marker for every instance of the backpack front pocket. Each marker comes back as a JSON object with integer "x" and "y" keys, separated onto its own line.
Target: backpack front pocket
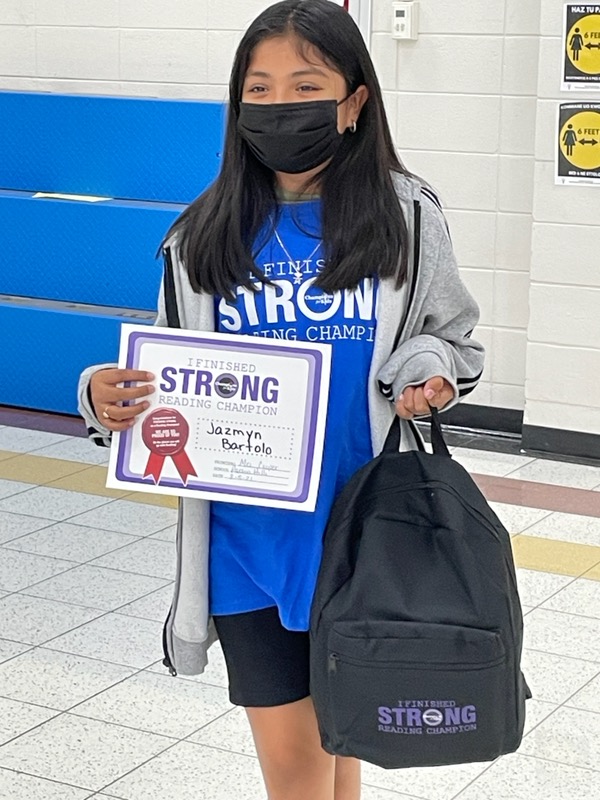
{"x": 407, "y": 694}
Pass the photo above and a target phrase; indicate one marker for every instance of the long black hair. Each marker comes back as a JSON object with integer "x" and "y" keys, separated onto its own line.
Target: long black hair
{"x": 364, "y": 231}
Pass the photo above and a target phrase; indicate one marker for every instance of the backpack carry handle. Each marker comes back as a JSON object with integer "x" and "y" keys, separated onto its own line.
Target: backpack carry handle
{"x": 440, "y": 448}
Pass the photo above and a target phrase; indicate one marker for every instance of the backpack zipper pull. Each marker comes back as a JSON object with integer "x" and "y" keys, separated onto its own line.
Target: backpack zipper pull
{"x": 333, "y": 659}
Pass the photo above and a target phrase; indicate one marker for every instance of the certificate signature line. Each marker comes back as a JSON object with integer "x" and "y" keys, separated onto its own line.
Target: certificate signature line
{"x": 245, "y": 475}
{"x": 232, "y": 465}
{"x": 259, "y": 472}
{"x": 219, "y": 450}
{"x": 245, "y": 478}
{"x": 255, "y": 480}
{"x": 252, "y": 470}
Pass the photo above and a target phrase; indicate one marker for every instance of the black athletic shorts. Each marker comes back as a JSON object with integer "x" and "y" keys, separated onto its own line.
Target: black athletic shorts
{"x": 267, "y": 664}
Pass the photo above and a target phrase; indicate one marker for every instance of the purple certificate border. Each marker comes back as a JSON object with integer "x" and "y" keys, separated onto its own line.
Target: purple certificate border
{"x": 314, "y": 358}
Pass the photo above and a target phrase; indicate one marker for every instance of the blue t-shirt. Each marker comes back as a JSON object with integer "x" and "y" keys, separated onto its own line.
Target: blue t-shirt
{"x": 262, "y": 557}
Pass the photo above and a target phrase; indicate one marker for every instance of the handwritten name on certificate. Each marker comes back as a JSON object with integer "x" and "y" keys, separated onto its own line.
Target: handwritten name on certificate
{"x": 233, "y": 418}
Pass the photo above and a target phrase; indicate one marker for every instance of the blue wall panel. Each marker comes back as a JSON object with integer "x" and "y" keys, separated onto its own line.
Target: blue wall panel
{"x": 154, "y": 157}
{"x": 138, "y": 148}
{"x": 96, "y": 253}
{"x": 53, "y": 347}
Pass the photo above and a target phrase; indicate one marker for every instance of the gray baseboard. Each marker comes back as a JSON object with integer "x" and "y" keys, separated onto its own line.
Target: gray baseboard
{"x": 485, "y": 418}
{"x": 554, "y": 440}
{"x": 508, "y": 422}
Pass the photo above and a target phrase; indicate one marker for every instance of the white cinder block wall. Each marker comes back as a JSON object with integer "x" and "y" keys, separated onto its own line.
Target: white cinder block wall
{"x": 471, "y": 111}
{"x": 563, "y": 354}
{"x": 463, "y": 98}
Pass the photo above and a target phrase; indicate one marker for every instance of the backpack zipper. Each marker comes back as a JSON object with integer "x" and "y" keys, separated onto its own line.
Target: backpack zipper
{"x": 446, "y": 487}
{"x": 167, "y": 662}
{"x": 336, "y": 658}
{"x": 471, "y": 511}
{"x": 167, "y": 658}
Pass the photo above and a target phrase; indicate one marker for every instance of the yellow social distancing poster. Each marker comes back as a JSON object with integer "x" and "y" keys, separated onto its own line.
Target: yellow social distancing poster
{"x": 578, "y": 150}
{"x": 581, "y": 47}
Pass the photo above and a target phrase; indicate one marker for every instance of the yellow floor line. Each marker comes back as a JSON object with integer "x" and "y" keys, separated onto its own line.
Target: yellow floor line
{"x": 91, "y": 480}
{"x": 593, "y": 574}
{"x": 37, "y": 469}
{"x": 531, "y": 552}
{"x": 164, "y": 500}
{"x": 558, "y": 557}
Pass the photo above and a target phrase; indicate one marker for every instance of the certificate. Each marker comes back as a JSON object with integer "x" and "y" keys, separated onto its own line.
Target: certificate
{"x": 233, "y": 418}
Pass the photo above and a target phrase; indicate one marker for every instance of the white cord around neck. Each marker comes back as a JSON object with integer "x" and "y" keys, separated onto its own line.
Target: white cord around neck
{"x": 298, "y": 271}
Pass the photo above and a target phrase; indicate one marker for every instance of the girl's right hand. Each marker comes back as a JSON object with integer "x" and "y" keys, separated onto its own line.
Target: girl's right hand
{"x": 109, "y": 398}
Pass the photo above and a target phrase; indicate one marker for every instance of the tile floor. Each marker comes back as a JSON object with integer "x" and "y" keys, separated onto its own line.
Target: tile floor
{"x": 87, "y": 709}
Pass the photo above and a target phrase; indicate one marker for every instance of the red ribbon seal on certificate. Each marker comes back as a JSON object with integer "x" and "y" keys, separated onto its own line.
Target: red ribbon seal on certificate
{"x": 165, "y": 434}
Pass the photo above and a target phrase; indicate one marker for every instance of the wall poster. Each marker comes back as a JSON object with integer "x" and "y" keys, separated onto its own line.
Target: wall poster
{"x": 578, "y": 146}
{"x": 581, "y": 48}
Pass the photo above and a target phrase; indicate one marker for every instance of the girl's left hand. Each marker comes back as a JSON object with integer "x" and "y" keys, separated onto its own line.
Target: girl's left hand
{"x": 415, "y": 400}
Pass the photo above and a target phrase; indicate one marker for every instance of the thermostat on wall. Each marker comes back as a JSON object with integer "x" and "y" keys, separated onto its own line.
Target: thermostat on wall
{"x": 405, "y": 20}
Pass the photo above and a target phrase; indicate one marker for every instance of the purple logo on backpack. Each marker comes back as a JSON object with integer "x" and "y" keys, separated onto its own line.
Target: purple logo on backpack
{"x": 427, "y": 717}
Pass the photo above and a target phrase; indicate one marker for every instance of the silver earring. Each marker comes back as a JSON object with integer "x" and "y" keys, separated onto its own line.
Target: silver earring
{"x": 353, "y": 127}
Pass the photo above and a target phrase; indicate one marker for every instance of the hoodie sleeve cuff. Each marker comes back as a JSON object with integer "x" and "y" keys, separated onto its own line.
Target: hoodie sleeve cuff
{"x": 100, "y": 435}
{"x": 416, "y": 371}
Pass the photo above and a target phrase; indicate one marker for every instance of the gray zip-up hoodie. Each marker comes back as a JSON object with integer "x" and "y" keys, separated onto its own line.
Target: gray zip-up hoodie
{"x": 428, "y": 322}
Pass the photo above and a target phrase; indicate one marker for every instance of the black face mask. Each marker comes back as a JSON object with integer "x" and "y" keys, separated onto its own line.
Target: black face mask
{"x": 291, "y": 137}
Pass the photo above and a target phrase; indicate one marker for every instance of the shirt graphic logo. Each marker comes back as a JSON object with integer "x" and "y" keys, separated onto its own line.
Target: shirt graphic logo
{"x": 315, "y": 298}
{"x": 282, "y": 310}
{"x": 226, "y": 385}
{"x": 427, "y": 717}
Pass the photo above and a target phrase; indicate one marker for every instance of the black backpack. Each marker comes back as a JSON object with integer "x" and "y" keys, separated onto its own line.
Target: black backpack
{"x": 416, "y": 624}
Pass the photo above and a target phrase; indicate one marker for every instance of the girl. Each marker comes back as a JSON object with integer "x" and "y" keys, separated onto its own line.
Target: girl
{"x": 312, "y": 231}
